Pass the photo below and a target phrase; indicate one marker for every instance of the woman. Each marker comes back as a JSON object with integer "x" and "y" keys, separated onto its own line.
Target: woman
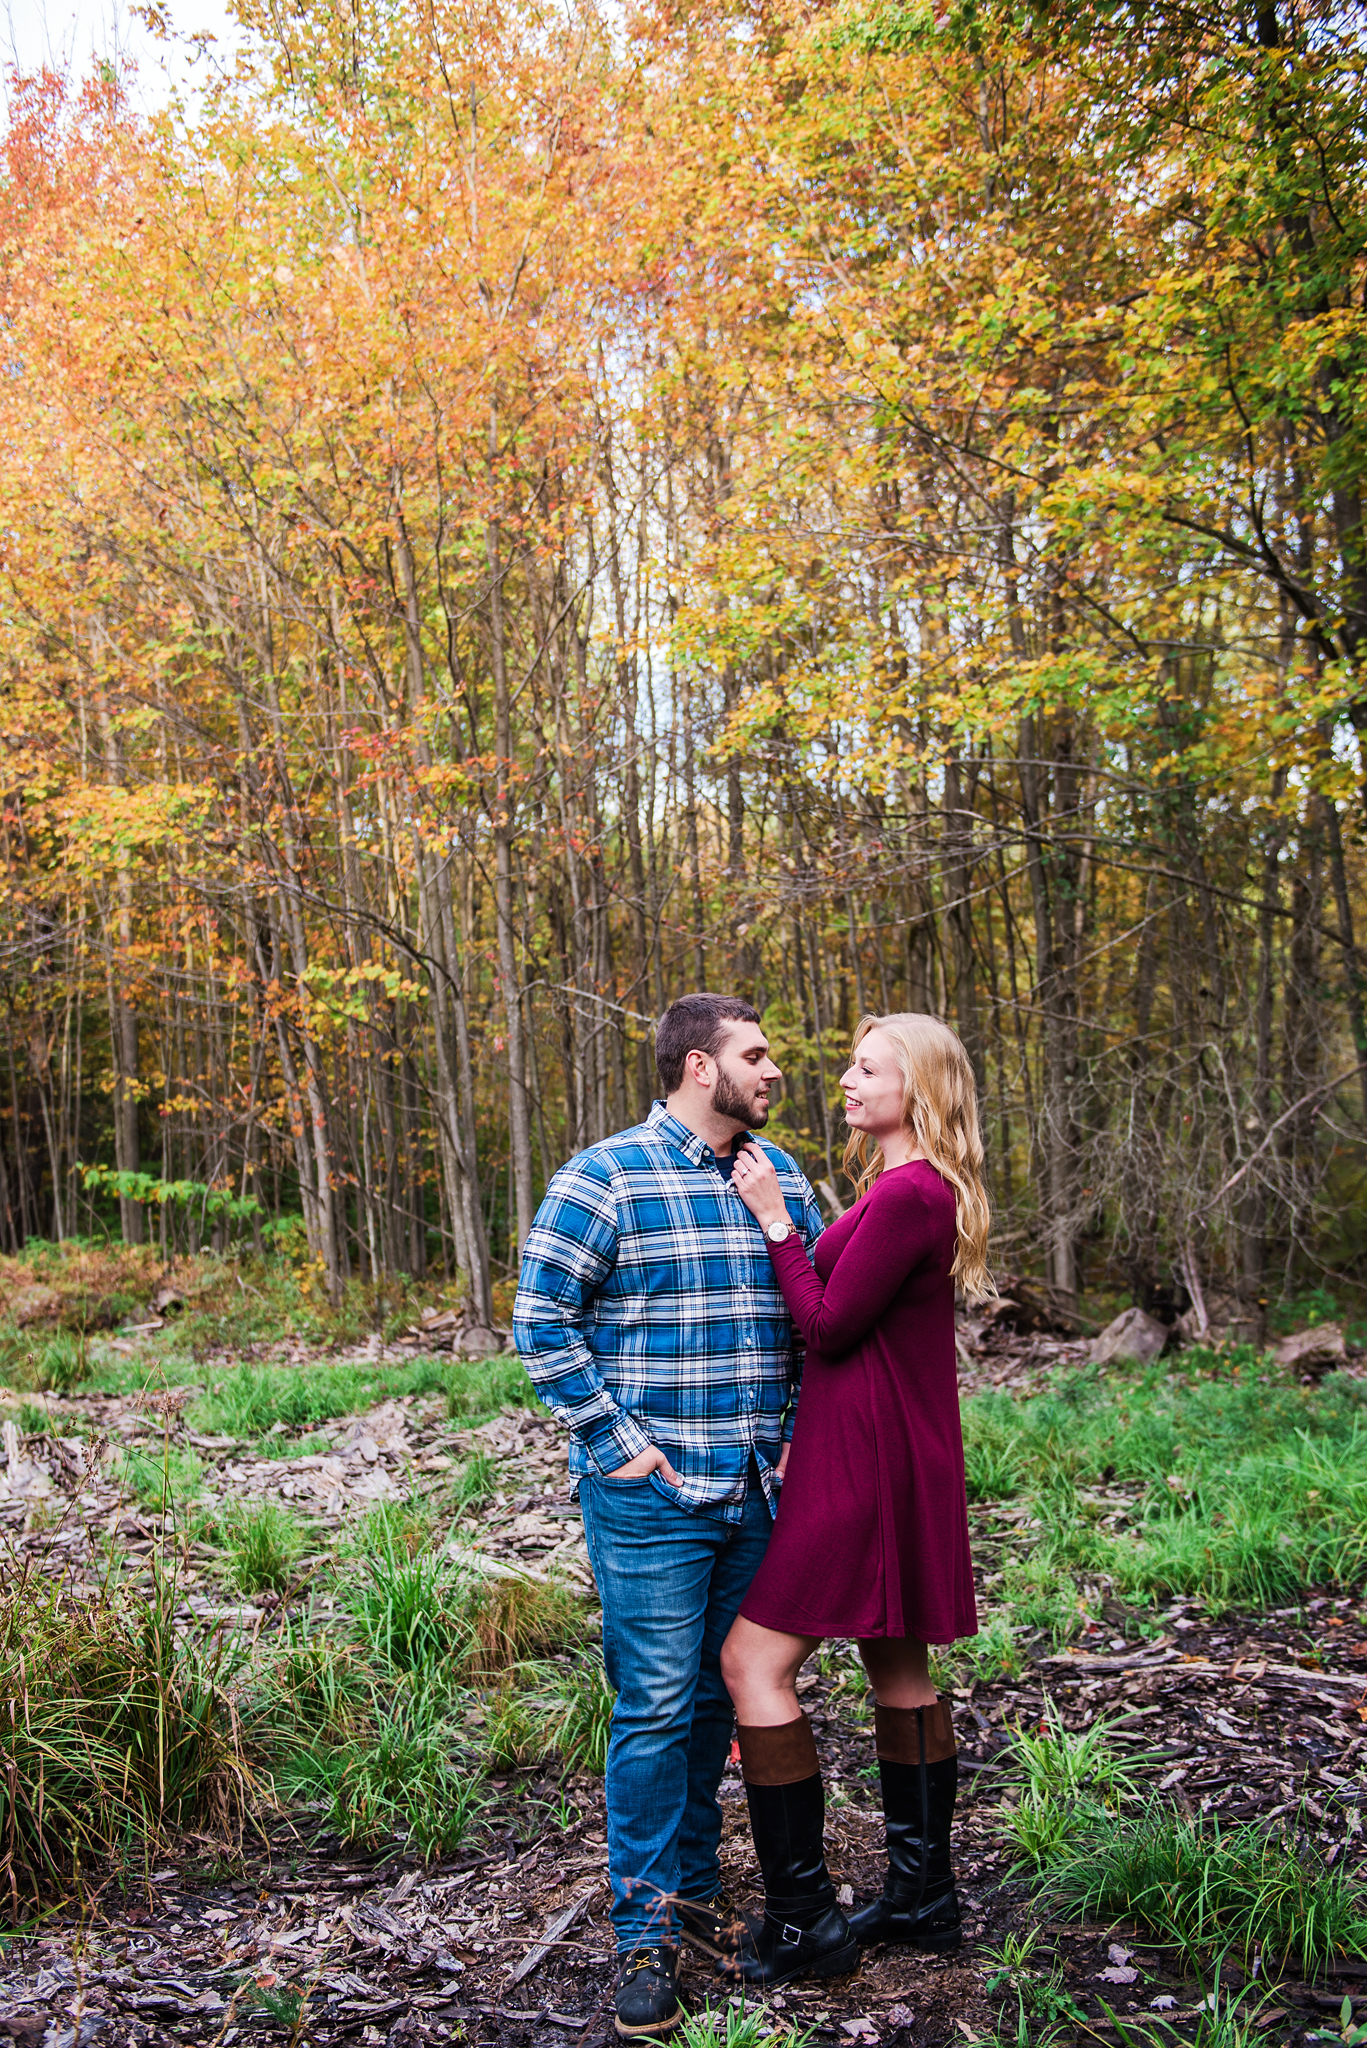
{"x": 871, "y": 1537}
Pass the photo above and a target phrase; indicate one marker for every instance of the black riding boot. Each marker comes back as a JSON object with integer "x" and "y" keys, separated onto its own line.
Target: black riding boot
{"x": 803, "y": 1933}
{"x": 918, "y": 1764}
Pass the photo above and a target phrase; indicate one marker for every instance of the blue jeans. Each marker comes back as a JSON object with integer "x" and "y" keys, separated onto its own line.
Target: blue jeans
{"x": 670, "y": 1583}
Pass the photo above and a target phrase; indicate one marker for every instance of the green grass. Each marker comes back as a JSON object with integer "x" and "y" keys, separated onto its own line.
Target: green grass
{"x": 1045, "y": 2010}
{"x": 1093, "y": 1427}
{"x": 370, "y": 1729}
{"x": 412, "y": 1605}
{"x": 252, "y": 1399}
{"x": 475, "y": 1482}
{"x": 45, "y": 1361}
{"x": 315, "y": 1686}
{"x": 1242, "y": 1490}
{"x": 285, "y": 2005}
{"x": 1071, "y": 1782}
{"x": 986, "y": 1658}
{"x": 410, "y": 1611}
{"x": 408, "y": 1525}
{"x": 1240, "y": 1891}
{"x": 160, "y": 1477}
{"x": 746, "y": 2024}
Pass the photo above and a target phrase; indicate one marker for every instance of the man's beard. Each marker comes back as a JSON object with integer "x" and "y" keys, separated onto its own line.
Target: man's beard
{"x": 727, "y": 1100}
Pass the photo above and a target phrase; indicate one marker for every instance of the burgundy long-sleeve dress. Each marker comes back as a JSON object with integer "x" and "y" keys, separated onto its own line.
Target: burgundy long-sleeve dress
{"x": 871, "y": 1535}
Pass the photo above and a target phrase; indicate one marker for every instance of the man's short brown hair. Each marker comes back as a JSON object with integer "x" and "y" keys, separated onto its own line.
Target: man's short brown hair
{"x": 695, "y": 1023}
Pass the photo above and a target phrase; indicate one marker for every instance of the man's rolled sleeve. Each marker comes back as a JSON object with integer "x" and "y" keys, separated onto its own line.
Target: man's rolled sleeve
{"x": 570, "y": 1250}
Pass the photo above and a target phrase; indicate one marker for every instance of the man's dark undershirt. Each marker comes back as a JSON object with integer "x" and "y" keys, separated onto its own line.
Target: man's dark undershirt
{"x": 725, "y": 1167}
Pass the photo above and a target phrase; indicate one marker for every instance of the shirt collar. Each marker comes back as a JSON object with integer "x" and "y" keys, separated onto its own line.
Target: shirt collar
{"x": 677, "y": 1134}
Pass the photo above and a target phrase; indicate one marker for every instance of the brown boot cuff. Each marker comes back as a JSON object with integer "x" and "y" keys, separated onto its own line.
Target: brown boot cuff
{"x": 778, "y": 1756}
{"x": 897, "y": 1735}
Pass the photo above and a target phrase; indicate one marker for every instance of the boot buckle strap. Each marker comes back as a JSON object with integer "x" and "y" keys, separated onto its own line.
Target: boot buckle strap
{"x": 792, "y": 1935}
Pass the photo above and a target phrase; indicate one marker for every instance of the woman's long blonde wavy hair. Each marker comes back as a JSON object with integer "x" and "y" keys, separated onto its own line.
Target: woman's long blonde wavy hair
{"x": 940, "y": 1107}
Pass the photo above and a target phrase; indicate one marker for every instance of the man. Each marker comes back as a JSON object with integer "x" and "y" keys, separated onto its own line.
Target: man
{"x": 648, "y": 1315}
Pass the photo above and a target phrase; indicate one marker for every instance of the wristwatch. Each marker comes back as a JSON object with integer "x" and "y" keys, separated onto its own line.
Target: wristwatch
{"x": 776, "y": 1232}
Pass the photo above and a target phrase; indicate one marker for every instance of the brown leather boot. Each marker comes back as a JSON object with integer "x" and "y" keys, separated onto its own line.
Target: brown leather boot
{"x": 918, "y": 1764}
{"x": 803, "y": 1933}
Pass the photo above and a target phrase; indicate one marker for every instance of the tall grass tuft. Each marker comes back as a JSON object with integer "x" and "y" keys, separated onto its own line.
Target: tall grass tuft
{"x": 553, "y": 1710}
{"x": 740, "y": 2025}
{"x": 476, "y": 1482}
{"x": 159, "y": 1477}
{"x": 55, "y": 1364}
{"x": 1073, "y": 1783}
{"x": 114, "y": 1731}
{"x": 398, "y": 1776}
{"x": 513, "y": 1619}
{"x": 411, "y": 1611}
{"x": 1240, "y": 1891}
{"x": 263, "y": 1546}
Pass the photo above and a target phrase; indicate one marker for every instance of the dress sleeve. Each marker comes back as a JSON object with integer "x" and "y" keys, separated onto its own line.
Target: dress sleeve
{"x": 897, "y": 1233}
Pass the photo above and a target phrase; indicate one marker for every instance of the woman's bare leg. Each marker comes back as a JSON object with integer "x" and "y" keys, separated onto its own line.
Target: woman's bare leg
{"x": 899, "y": 1671}
{"x": 803, "y": 1932}
{"x": 759, "y": 1667}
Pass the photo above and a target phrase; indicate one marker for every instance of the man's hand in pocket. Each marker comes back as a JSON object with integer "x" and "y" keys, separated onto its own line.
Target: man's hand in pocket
{"x": 653, "y": 1460}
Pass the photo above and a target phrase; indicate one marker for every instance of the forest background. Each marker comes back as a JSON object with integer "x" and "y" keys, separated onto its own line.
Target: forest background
{"x": 511, "y": 512}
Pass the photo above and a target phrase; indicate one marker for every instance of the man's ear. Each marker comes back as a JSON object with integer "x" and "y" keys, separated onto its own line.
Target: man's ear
{"x": 698, "y": 1065}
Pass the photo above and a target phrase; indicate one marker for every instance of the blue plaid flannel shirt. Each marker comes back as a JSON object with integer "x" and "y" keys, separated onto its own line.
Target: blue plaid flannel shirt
{"x": 648, "y": 1313}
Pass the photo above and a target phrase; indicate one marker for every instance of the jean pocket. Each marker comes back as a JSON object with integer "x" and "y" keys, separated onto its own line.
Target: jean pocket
{"x": 632, "y": 1479}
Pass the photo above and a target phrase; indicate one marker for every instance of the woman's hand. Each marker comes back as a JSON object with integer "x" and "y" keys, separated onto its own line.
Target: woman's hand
{"x": 755, "y": 1181}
